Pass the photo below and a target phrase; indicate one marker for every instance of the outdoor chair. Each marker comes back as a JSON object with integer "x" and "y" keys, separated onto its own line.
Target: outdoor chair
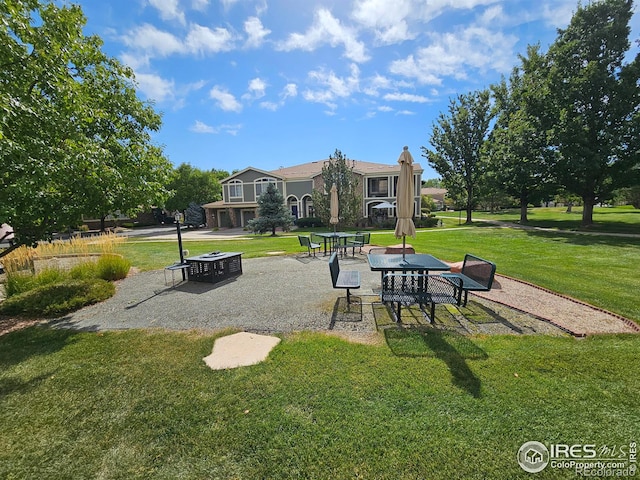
{"x": 345, "y": 279}
{"x": 476, "y": 275}
{"x": 306, "y": 242}
{"x": 361, "y": 239}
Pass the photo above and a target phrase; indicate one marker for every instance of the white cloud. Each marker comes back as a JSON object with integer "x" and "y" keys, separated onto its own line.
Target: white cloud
{"x": 155, "y": 87}
{"x": 205, "y": 40}
{"x": 255, "y": 31}
{"x": 377, "y": 83}
{"x": 153, "y": 41}
{"x": 385, "y": 108}
{"x": 289, "y": 90}
{"x": 332, "y": 86}
{"x": 256, "y": 89}
{"x": 387, "y": 18}
{"x": 168, "y": 9}
{"x": 327, "y": 29}
{"x": 200, "y": 5}
{"x": 452, "y": 54}
{"x": 270, "y": 106}
{"x": 405, "y": 112}
{"x": 405, "y": 97}
{"x": 200, "y": 127}
{"x": 225, "y": 100}
{"x": 559, "y": 13}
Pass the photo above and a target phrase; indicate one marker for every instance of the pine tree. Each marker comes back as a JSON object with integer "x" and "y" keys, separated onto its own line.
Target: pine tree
{"x": 272, "y": 213}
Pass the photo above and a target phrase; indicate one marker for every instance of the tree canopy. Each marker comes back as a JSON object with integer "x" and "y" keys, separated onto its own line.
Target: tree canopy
{"x": 192, "y": 185}
{"x": 74, "y": 138}
{"x": 595, "y": 95}
{"x": 338, "y": 170}
{"x": 457, "y": 140}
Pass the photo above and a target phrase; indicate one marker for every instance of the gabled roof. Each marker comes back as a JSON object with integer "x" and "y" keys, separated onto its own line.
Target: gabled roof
{"x": 263, "y": 172}
{"x": 312, "y": 169}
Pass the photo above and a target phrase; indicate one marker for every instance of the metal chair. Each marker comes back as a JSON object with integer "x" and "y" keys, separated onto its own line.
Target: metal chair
{"x": 306, "y": 242}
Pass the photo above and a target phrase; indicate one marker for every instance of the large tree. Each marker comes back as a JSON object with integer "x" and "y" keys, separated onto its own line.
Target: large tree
{"x": 74, "y": 137}
{"x": 339, "y": 170}
{"x": 458, "y": 139}
{"x": 597, "y": 99}
{"x": 520, "y": 158}
{"x": 191, "y": 184}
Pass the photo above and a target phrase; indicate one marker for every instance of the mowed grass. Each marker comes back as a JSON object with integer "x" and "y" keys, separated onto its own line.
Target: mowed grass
{"x": 624, "y": 219}
{"x": 598, "y": 269}
{"x": 138, "y": 405}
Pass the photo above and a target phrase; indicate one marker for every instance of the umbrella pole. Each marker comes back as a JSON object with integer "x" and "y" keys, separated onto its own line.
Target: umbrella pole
{"x": 404, "y": 239}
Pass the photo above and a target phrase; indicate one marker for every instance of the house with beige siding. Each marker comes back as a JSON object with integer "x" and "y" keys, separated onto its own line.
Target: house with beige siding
{"x": 241, "y": 190}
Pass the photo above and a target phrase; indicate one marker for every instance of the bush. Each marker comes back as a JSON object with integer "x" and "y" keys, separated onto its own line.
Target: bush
{"x": 84, "y": 270}
{"x": 58, "y": 299}
{"x": 19, "y": 282}
{"x": 427, "y": 222}
{"x": 112, "y": 267}
{"x": 307, "y": 222}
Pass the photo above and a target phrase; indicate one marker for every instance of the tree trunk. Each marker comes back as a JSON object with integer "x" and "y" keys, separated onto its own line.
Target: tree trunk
{"x": 102, "y": 223}
{"x": 523, "y": 211}
{"x": 587, "y": 211}
{"x": 469, "y": 210}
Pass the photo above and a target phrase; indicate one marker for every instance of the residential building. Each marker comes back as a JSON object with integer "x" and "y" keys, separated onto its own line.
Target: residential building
{"x": 241, "y": 190}
{"x": 437, "y": 194}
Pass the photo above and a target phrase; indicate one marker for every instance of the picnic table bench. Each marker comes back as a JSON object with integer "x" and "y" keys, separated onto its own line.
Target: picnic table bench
{"x": 476, "y": 275}
{"x": 416, "y": 288}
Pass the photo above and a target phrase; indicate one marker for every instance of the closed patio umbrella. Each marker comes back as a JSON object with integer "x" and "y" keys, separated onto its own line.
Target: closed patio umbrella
{"x": 334, "y": 207}
{"x": 405, "y": 198}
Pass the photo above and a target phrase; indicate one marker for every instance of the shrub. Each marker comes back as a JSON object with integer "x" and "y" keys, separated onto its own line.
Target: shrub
{"x": 307, "y": 222}
{"x": 84, "y": 270}
{"x": 58, "y": 299}
{"x": 112, "y": 267}
{"x": 19, "y": 282}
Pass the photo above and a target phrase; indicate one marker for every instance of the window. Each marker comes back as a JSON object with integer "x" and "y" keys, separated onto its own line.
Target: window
{"x": 262, "y": 184}
{"x": 235, "y": 189}
{"x": 378, "y": 187}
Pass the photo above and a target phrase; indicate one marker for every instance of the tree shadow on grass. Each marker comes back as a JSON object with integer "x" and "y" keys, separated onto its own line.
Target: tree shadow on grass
{"x": 452, "y": 348}
{"x": 21, "y": 345}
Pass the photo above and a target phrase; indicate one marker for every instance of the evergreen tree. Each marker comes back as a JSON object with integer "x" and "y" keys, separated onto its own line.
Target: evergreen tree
{"x": 272, "y": 213}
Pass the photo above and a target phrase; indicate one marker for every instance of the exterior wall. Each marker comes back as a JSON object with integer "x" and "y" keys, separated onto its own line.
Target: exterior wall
{"x": 299, "y": 188}
{"x": 297, "y": 195}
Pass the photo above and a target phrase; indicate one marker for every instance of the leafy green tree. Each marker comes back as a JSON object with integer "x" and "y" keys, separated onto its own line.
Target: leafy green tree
{"x": 432, "y": 183}
{"x": 458, "y": 139}
{"x": 272, "y": 213}
{"x": 521, "y": 161}
{"x": 74, "y": 138}
{"x": 337, "y": 170}
{"x": 597, "y": 103}
{"x": 191, "y": 184}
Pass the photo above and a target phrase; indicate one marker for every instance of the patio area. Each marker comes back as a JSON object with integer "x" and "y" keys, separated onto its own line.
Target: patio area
{"x": 291, "y": 293}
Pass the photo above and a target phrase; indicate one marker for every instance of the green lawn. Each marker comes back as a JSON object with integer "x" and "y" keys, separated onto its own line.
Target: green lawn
{"x": 624, "y": 219}
{"x": 127, "y": 405}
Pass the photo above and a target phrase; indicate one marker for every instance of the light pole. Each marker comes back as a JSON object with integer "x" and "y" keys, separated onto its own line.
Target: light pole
{"x": 178, "y": 219}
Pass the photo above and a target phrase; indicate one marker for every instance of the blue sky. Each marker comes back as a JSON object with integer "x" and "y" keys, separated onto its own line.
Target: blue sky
{"x": 270, "y": 83}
